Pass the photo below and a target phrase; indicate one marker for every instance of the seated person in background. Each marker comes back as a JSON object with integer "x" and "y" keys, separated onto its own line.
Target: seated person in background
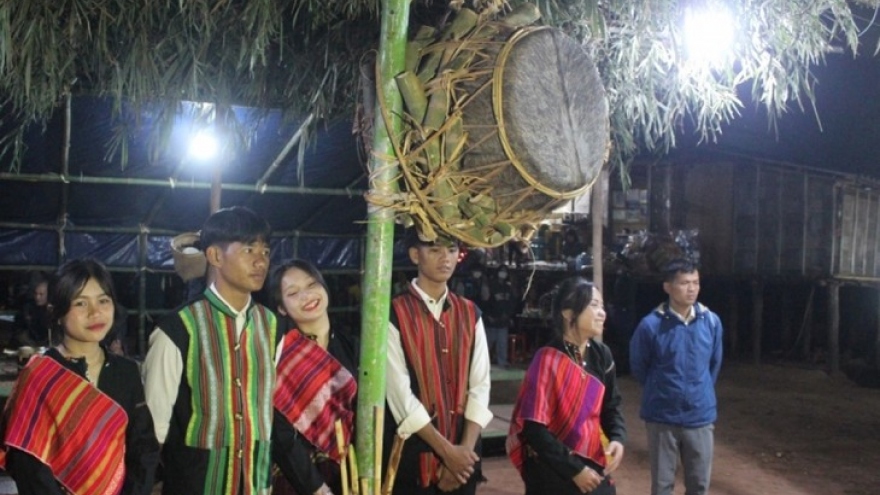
{"x": 32, "y": 323}
{"x": 314, "y": 362}
{"x": 104, "y": 441}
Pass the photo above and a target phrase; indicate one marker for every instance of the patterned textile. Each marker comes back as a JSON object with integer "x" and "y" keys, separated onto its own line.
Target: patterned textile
{"x": 562, "y": 396}
{"x": 228, "y": 376}
{"x": 439, "y": 353}
{"x": 71, "y": 426}
{"x": 313, "y": 391}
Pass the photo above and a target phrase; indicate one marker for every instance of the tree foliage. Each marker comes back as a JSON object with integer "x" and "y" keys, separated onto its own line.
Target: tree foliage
{"x": 305, "y": 56}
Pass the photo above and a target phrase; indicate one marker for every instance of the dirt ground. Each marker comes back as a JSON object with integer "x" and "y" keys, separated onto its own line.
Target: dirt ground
{"x": 781, "y": 430}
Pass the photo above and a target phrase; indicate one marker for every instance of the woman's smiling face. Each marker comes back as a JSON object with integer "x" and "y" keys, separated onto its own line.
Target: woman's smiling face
{"x": 303, "y": 298}
{"x": 91, "y": 314}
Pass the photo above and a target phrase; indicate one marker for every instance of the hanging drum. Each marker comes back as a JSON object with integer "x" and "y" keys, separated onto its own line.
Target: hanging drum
{"x": 505, "y": 124}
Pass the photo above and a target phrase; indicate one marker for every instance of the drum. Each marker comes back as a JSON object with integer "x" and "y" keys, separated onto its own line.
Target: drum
{"x": 506, "y": 123}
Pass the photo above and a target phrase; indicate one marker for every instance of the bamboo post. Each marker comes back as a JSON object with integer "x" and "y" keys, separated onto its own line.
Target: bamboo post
{"x": 380, "y": 430}
{"x": 598, "y": 207}
{"x": 876, "y": 362}
{"x": 393, "y": 462}
{"x": 340, "y": 447}
{"x": 391, "y": 61}
{"x": 355, "y": 478}
{"x": 216, "y": 188}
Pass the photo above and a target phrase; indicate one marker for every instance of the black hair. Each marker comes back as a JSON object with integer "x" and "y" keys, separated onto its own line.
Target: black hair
{"x": 413, "y": 239}
{"x": 676, "y": 266}
{"x": 236, "y": 224}
{"x": 574, "y": 293}
{"x": 69, "y": 281}
{"x": 278, "y": 273}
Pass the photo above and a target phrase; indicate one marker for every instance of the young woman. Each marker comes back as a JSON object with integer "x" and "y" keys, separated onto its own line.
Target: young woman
{"x": 78, "y": 410}
{"x": 568, "y": 399}
{"x": 313, "y": 361}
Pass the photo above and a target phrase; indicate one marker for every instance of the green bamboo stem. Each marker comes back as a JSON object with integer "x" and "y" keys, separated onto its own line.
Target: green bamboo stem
{"x": 413, "y": 94}
{"x": 522, "y": 15}
{"x": 390, "y": 62}
{"x": 424, "y": 36}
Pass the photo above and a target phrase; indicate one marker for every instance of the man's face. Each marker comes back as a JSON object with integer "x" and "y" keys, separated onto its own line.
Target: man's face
{"x": 241, "y": 267}
{"x": 435, "y": 263}
{"x": 684, "y": 289}
{"x": 41, "y": 294}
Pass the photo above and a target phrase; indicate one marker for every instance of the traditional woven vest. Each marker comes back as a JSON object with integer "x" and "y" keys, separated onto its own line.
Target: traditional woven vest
{"x": 232, "y": 383}
{"x": 439, "y": 355}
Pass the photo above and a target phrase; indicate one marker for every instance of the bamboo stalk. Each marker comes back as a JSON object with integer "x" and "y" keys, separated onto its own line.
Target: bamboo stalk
{"x": 413, "y": 94}
{"x": 355, "y": 477}
{"x": 393, "y": 462}
{"x": 340, "y": 447}
{"x": 522, "y": 15}
{"x": 383, "y": 167}
{"x": 423, "y": 37}
{"x": 444, "y": 195}
{"x": 379, "y": 432}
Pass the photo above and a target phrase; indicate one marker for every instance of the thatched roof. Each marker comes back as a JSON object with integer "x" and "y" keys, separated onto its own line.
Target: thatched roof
{"x": 305, "y": 57}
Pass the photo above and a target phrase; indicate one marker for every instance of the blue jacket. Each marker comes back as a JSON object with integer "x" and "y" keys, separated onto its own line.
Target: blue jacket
{"x": 677, "y": 365}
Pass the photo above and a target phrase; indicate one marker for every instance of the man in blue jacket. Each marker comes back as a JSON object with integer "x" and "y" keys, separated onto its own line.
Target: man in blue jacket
{"x": 675, "y": 353}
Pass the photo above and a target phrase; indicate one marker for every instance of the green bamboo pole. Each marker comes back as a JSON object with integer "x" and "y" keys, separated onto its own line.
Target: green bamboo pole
{"x": 391, "y": 61}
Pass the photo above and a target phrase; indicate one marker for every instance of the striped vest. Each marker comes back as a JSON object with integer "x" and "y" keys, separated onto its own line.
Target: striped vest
{"x": 438, "y": 354}
{"x": 224, "y": 407}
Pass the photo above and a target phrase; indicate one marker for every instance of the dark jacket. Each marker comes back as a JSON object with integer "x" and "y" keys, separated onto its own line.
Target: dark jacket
{"x": 677, "y": 365}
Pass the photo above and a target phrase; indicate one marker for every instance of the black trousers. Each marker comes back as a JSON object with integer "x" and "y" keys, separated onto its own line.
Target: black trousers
{"x": 408, "y": 472}
{"x": 542, "y": 480}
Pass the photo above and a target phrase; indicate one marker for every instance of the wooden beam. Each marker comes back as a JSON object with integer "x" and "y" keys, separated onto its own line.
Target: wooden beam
{"x": 757, "y": 319}
{"x": 732, "y": 333}
{"x": 834, "y": 327}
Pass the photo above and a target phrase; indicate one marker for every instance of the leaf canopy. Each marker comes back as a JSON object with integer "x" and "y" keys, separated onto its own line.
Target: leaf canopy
{"x": 305, "y": 56}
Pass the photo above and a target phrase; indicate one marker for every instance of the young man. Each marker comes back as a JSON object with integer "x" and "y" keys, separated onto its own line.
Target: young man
{"x": 675, "y": 353}
{"x": 438, "y": 377}
{"x": 210, "y": 371}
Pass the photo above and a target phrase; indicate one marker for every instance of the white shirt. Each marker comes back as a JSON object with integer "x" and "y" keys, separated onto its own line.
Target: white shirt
{"x": 408, "y": 410}
{"x": 163, "y": 369}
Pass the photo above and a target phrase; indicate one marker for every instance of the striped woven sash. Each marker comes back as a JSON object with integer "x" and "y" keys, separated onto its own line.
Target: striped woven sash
{"x": 560, "y": 395}
{"x": 313, "y": 391}
{"x": 69, "y": 425}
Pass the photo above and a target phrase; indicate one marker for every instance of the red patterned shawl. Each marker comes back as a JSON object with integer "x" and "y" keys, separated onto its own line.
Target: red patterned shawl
{"x": 560, "y": 395}
{"x": 313, "y": 391}
{"x": 439, "y": 353}
{"x": 68, "y": 424}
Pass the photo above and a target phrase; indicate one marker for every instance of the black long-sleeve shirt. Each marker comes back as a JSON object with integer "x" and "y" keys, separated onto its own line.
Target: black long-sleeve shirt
{"x": 121, "y": 381}
{"x": 550, "y": 449}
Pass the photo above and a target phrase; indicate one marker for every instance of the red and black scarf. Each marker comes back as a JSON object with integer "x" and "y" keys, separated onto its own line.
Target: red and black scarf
{"x": 313, "y": 390}
{"x": 562, "y": 396}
